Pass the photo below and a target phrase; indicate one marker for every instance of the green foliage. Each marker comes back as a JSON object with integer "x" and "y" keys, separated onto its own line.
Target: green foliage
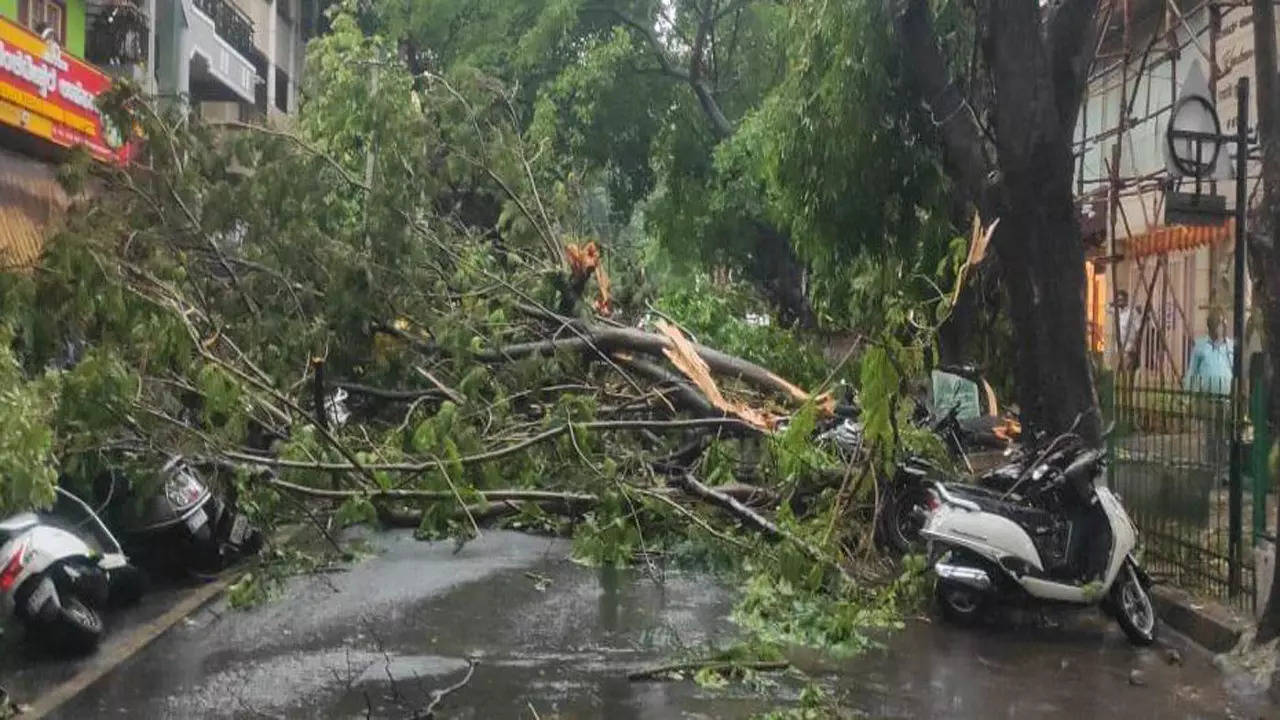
{"x": 777, "y": 611}
{"x": 780, "y": 612}
{"x": 794, "y": 453}
{"x": 880, "y": 385}
{"x": 608, "y": 534}
{"x": 357, "y": 509}
{"x": 250, "y": 590}
{"x": 28, "y": 468}
{"x": 850, "y": 165}
{"x": 815, "y": 703}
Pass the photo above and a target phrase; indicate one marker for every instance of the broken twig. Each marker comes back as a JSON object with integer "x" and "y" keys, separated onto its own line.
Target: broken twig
{"x": 660, "y": 672}
{"x": 438, "y": 696}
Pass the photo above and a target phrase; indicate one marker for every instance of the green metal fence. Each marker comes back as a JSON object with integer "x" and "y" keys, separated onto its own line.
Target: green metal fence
{"x": 1171, "y": 452}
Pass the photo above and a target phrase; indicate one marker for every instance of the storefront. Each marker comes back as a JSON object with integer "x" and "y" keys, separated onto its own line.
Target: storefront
{"x": 47, "y": 106}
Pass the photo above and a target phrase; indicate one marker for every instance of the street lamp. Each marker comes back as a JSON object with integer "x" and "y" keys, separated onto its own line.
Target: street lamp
{"x": 1193, "y": 125}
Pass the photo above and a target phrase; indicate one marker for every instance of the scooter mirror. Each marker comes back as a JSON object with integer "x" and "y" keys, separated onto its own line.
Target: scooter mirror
{"x": 1110, "y": 428}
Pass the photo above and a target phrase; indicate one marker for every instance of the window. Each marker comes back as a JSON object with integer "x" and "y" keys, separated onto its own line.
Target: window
{"x": 41, "y": 15}
{"x": 282, "y": 90}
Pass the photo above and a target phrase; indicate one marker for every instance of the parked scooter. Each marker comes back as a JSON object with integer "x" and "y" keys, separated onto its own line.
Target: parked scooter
{"x": 900, "y": 515}
{"x": 1058, "y": 538}
{"x": 183, "y": 528}
{"x": 56, "y": 581}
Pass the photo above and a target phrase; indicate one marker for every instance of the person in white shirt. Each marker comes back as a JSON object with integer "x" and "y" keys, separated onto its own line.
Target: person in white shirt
{"x": 1122, "y": 345}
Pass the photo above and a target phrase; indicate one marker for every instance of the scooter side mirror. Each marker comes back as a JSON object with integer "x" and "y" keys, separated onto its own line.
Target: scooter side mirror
{"x": 1108, "y": 430}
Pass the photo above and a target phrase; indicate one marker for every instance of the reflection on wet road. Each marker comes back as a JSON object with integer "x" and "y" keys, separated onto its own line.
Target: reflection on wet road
{"x": 557, "y": 638}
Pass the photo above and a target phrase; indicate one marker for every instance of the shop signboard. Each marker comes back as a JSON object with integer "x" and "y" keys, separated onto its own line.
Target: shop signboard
{"x": 49, "y": 93}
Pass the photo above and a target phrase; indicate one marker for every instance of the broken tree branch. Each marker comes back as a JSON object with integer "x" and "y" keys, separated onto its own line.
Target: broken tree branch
{"x": 659, "y": 672}
{"x": 412, "y": 494}
{"x": 385, "y": 394}
{"x": 737, "y": 493}
{"x": 683, "y": 395}
{"x": 449, "y": 392}
{"x": 757, "y": 521}
{"x": 603, "y": 425}
{"x": 615, "y": 340}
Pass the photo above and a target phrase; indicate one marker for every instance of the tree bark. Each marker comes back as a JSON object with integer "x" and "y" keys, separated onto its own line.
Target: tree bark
{"x": 1264, "y": 251}
{"x": 781, "y": 274}
{"x": 1039, "y": 240}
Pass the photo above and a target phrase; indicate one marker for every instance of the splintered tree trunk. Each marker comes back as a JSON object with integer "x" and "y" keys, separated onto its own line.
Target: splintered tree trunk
{"x": 1017, "y": 167}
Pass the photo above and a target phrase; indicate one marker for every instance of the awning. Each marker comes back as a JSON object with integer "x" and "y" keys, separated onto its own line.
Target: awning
{"x": 31, "y": 201}
{"x": 1178, "y": 237}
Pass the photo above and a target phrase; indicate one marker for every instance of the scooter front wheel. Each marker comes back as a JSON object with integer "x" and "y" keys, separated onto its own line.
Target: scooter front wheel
{"x": 960, "y": 604}
{"x": 1133, "y": 608}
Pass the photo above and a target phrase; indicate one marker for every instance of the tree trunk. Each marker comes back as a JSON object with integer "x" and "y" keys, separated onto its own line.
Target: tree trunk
{"x": 780, "y": 273}
{"x": 1264, "y": 251}
{"x": 1039, "y": 241}
{"x": 956, "y": 334}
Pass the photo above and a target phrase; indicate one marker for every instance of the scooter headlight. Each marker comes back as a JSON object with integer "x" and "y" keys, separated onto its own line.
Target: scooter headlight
{"x": 182, "y": 488}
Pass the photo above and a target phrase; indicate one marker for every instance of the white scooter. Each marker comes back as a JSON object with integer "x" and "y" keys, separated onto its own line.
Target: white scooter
{"x": 56, "y": 582}
{"x": 985, "y": 547}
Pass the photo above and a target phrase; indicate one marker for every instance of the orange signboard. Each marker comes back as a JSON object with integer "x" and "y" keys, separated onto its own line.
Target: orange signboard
{"x": 52, "y": 95}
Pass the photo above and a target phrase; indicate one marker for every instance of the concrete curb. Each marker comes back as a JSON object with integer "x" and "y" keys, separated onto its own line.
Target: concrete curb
{"x": 1210, "y": 625}
{"x": 121, "y": 649}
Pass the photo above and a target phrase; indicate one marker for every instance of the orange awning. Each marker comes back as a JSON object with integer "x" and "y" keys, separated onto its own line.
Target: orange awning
{"x": 1178, "y": 237}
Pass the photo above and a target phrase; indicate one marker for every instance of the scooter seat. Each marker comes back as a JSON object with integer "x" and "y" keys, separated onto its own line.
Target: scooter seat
{"x": 16, "y": 525}
{"x": 1034, "y": 520}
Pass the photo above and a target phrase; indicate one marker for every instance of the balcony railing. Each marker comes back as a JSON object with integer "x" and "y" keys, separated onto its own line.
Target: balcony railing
{"x": 117, "y": 33}
{"x": 231, "y": 23}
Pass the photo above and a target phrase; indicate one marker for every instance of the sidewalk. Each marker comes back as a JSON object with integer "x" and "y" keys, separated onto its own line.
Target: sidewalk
{"x": 1209, "y": 624}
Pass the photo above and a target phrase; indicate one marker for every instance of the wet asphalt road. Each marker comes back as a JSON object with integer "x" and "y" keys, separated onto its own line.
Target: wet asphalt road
{"x": 558, "y": 639}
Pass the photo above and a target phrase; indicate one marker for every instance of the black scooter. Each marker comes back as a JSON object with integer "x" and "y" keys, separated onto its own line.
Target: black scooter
{"x": 182, "y": 529}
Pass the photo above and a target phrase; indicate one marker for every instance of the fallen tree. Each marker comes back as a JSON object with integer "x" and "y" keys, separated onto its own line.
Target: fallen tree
{"x": 220, "y": 290}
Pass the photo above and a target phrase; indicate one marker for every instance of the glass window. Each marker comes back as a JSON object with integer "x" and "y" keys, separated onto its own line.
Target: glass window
{"x": 42, "y": 15}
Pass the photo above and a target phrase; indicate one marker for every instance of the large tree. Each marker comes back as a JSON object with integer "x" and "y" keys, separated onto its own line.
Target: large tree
{"x": 632, "y": 95}
{"x": 1264, "y": 247}
{"x": 1007, "y": 128}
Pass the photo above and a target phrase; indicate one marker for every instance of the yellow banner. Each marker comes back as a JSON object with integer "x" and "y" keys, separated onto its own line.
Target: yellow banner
{"x": 19, "y": 117}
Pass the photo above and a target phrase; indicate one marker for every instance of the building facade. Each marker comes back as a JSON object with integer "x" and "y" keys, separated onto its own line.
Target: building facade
{"x": 227, "y": 60}
{"x": 236, "y": 62}
{"x": 1175, "y": 276}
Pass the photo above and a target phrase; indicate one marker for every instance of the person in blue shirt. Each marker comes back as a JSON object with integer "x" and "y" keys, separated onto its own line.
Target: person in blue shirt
{"x": 1209, "y": 375}
{"x": 1211, "y": 360}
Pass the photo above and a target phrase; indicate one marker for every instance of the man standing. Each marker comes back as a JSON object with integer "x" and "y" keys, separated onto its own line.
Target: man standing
{"x": 1123, "y": 340}
{"x": 1211, "y": 360}
{"x": 1209, "y": 374}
